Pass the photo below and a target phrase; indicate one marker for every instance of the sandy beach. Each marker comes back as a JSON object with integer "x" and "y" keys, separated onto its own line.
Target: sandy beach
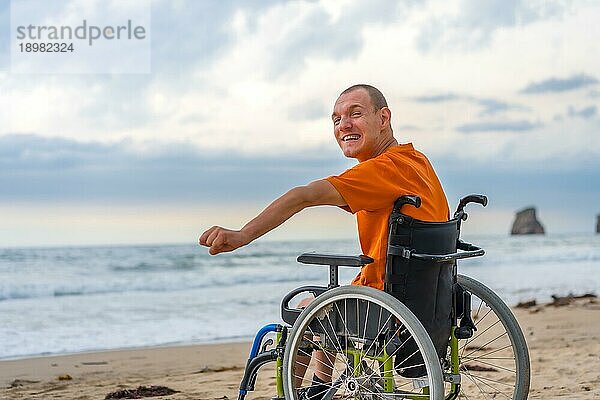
{"x": 564, "y": 344}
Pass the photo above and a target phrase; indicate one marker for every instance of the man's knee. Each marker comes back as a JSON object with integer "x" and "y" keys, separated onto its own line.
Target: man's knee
{"x": 305, "y": 302}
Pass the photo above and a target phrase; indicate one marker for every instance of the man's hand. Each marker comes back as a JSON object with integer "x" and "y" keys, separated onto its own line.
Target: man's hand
{"x": 221, "y": 240}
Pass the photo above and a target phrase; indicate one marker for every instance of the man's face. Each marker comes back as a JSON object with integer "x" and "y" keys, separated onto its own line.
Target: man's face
{"x": 356, "y": 126}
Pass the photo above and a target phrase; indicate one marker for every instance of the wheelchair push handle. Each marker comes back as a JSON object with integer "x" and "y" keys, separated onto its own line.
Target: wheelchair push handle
{"x": 472, "y": 198}
{"x": 415, "y": 201}
{"x": 409, "y": 199}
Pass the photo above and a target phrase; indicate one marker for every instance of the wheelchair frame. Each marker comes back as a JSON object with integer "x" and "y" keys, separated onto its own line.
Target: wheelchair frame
{"x": 266, "y": 351}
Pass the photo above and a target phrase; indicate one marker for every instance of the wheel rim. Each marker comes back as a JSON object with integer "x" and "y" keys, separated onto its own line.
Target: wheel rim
{"x": 361, "y": 354}
{"x": 494, "y": 363}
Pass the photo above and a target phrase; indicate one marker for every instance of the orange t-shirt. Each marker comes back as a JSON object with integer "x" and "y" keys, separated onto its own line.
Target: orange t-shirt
{"x": 370, "y": 189}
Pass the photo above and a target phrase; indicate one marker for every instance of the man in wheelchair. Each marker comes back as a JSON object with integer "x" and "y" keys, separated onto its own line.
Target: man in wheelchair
{"x": 386, "y": 171}
{"x": 382, "y": 342}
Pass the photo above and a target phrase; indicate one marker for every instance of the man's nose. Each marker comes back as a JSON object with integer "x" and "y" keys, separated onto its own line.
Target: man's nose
{"x": 345, "y": 123}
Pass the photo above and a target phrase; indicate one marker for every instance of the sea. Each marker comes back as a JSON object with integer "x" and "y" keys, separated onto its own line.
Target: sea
{"x": 74, "y": 299}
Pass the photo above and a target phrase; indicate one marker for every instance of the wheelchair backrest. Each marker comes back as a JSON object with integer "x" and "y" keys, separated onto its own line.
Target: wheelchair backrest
{"x": 425, "y": 287}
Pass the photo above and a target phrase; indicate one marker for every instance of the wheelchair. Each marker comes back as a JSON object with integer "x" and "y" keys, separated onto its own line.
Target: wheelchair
{"x": 431, "y": 334}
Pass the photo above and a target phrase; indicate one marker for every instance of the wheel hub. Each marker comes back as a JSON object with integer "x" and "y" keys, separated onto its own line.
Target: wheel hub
{"x": 351, "y": 386}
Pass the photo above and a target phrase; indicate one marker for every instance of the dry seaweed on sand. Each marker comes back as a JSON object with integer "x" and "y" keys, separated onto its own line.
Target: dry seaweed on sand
{"x": 140, "y": 392}
{"x": 480, "y": 368}
{"x": 527, "y": 304}
{"x": 559, "y": 301}
{"x": 21, "y": 382}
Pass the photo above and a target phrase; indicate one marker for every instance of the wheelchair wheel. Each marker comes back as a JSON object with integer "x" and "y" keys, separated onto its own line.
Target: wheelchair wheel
{"x": 366, "y": 343}
{"x": 494, "y": 363}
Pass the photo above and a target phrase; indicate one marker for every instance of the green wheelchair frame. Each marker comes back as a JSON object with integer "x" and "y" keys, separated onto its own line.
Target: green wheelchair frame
{"x": 441, "y": 381}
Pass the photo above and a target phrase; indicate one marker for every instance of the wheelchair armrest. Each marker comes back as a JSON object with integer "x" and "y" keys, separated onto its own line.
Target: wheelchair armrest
{"x": 289, "y": 315}
{"x": 334, "y": 260}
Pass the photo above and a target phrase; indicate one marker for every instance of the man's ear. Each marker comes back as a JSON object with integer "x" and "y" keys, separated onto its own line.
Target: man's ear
{"x": 386, "y": 117}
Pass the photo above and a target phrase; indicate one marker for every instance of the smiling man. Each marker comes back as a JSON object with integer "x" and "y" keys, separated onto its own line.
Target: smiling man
{"x": 386, "y": 171}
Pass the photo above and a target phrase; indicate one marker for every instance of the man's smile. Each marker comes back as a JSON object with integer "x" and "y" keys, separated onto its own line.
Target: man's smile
{"x": 350, "y": 136}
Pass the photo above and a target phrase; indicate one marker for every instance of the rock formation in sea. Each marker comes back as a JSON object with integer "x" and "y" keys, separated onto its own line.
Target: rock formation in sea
{"x": 598, "y": 224}
{"x": 526, "y": 223}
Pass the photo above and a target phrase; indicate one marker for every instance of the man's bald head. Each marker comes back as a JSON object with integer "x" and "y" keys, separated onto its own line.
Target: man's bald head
{"x": 377, "y": 98}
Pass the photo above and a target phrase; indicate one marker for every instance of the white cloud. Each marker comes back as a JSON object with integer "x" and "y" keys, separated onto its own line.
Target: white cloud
{"x": 469, "y": 25}
{"x": 236, "y": 102}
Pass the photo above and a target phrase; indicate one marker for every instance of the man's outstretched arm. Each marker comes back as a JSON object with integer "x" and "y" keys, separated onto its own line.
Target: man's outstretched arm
{"x": 317, "y": 193}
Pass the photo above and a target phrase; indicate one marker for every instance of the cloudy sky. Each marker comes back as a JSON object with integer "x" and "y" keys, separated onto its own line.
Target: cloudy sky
{"x": 502, "y": 95}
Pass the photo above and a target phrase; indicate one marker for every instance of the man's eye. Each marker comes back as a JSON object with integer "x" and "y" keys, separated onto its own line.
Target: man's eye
{"x": 355, "y": 114}
{"x": 336, "y": 121}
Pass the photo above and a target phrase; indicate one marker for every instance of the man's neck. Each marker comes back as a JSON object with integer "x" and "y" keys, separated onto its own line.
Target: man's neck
{"x": 383, "y": 147}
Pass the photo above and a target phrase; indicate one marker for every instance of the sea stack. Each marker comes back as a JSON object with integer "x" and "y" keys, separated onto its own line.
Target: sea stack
{"x": 598, "y": 223}
{"x": 526, "y": 223}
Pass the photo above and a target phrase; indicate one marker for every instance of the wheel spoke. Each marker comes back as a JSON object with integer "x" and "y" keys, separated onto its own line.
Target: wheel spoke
{"x": 483, "y": 346}
{"x": 484, "y": 381}
{"x": 482, "y": 378}
{"x": 472, "y": 378}
{"x": 380, "y": 332}
{"x": 493, "y": 365}
{"x": 321, "y": 349}
{"x": 483, "y": 356}
{"x": 479, "y": 334}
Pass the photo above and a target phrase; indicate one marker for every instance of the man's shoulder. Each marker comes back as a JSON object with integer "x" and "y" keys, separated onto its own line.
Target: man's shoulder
{"x": 401, "y": 152}
{"x": 404, "y": 153}
{"x": 406, "y": 149}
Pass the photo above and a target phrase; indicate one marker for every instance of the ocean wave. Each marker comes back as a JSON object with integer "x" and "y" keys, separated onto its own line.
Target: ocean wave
{"x": 158, "y": 283}
{"x": 179, "y": 265}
